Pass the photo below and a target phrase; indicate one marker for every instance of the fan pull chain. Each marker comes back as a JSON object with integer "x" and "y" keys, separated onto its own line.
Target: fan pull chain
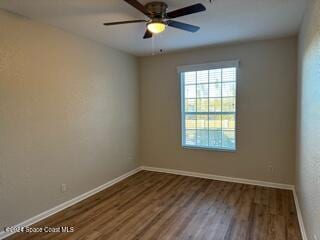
{"x": 160, "y": 41}
{"x": 152, "y": 45}
{"x": 156, "y": 39}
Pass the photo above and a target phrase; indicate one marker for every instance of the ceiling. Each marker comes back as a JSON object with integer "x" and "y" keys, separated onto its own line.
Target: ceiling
{"x": 224, "y": 21}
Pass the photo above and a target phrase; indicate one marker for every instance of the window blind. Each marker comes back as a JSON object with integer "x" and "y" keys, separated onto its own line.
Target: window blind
{"x": 208, "y": 105}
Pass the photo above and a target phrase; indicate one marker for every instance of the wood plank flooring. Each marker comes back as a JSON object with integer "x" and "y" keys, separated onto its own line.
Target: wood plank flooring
{"x": 152, "y": 205}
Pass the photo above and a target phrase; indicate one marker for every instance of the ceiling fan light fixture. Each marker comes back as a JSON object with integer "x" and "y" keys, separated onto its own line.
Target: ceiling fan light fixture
{"x": 156, "y": 27}
{"x": 159, "y": 18}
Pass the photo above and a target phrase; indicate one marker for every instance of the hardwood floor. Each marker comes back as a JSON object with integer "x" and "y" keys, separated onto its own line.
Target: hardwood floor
{"x": 152, "y": 205}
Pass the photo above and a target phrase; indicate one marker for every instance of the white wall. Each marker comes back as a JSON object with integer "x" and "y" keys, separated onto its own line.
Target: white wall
{"x": 308, "y": 130}
{"x": 69, "y": 114}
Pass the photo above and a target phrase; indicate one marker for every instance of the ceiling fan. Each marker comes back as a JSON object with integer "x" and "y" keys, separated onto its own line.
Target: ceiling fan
{"x": 159, "y": 18}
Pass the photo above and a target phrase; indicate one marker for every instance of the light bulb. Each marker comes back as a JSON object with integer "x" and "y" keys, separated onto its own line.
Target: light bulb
{"x": 156, "y": 27}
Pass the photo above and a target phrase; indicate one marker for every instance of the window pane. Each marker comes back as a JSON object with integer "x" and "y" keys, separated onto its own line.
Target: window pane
{"x": 202, "y": 121}
{"x": 215, "y": 90}
{"x": 202, "y": 76}
{"x": 215, "y": 121}
{"x": 202, "y": 105}
{"x": 215, "y": 75}
{"x": 228, "y": 89}
{"x": 202, "y": 137}
{"x": 215, "y": 105}
{"x": 190, "y": 91}
{"x": 190, "y": 105}
{"x": 209, "y": 108}
{"x": 228, "y": 139}
{"x": 229, "y": 104}
{"x": 190, "y": 78}
{"x": 202, "y": 90}
{"x": 229, "y": 75}
{"x": 228, "y": 121}
{"x": 190, "y": 121}
{"x": 215, "y": 139}
{"x": 191, "y": 137}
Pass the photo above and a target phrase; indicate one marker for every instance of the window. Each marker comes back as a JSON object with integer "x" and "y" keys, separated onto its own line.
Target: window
{"x": 208, "y": 102}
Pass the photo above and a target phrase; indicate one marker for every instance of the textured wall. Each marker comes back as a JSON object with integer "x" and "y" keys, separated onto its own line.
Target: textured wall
{"x": 68, "y": 110}
{"x": 308, "y": 131}
{"x": 266, "y": 112}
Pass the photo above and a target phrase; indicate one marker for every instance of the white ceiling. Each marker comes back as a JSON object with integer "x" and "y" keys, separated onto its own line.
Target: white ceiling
{"x": 224, "y": 21}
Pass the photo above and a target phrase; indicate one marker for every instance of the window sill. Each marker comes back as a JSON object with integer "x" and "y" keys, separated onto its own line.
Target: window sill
{"x": 209, "y": 149}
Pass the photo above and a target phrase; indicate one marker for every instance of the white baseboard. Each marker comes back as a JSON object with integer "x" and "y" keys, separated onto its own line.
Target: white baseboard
{"x": 220, "y": 178}
{"x": 239, "y": 180}
{"x": 77, "y": 199}
{"x": 300, "y": 219}
{"x": 69, "y": 203}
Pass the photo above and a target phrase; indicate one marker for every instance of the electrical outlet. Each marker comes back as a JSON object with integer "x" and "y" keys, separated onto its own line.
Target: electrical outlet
{"x": 63, "y": 187}
{"x": 271, "y": 168}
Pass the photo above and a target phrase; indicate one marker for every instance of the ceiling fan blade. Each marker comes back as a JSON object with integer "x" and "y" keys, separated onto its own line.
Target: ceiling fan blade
{"x": 138, "y": 6}
{"x": 183, "y": 26}
{"x": 148, "y": 34}
{"x": 186, "y": 10}
{"x": 123, "y": 22}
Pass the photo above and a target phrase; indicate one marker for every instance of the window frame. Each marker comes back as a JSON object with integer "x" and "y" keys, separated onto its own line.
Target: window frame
{"x": 200, "y": 67}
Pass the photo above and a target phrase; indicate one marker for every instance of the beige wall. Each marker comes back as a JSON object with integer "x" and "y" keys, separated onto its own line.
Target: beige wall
{"x": 69, "y": 114}
{"x": 308, "y": 131}
{"x": 266, "y": 112}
